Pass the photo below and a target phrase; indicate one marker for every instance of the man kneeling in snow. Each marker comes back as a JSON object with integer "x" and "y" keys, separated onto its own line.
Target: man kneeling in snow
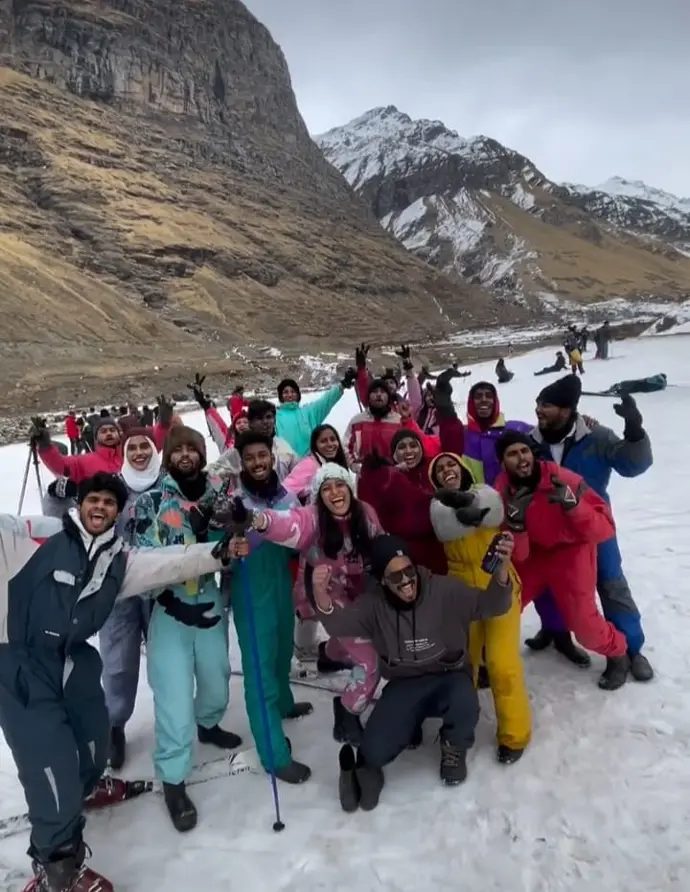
{"x": 419, "y": 624}
{"x": 54, "y": 597}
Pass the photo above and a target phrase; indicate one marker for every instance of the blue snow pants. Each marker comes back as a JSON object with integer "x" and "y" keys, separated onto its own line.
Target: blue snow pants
{"x": 189, "y": 674}
{"x": 120, "y": 642}
{"x": 58, "y": 738}
{"x": 617, "y": 603}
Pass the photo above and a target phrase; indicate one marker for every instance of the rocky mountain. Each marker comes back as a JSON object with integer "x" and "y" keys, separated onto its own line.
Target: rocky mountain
{"x": 162, "y": 206}
{"x": 478, "y": 209}
{"x": 634, "y": 206}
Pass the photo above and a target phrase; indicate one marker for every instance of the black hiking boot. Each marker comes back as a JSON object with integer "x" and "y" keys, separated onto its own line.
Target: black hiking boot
{"x": 417, "y": 738}
{"x": 370, "y": 782}
{"x": 180, "y": 807}
{"x": 347, "y": 727}
{"x": 453, "y": 764}
{"x": 299, "y": 710}
{"x": 640, "y": 667}
{"x": 348, "y": 787}
{"x": 294, "y": 773}
{"x": 616, "y": 673}
{"x": 541, "y": 640}
{"x": 483, "y": 680}
{"x": 216, "y": 736}
{"x": 507, "y": 755}
{"x": 564, "y": 644}
{"x": 326, "y": 666}
{"x": 118, "y": 748}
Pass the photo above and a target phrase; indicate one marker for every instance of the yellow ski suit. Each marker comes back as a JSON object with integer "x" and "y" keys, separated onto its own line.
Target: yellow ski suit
{"x": 498, "y": 638}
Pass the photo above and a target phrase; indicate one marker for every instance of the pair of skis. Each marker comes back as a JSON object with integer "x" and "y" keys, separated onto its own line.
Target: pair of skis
{"x": 114, "y": 791}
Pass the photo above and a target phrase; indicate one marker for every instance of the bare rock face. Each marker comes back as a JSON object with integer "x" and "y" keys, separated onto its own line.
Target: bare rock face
{"x": 161, "y": 203}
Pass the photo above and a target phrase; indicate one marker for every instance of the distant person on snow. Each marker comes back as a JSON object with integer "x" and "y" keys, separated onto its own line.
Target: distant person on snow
{"x": 502, "y": 372}
{"x": 72, "y": 432}
{"x": 636, "y": 385}
{"x": 565, "y": 438}
{"x": 558, "y": 521}
{"x": 558, "y": 365}
{"x": 52, "y": 706}
{"x": 602, "y": 339}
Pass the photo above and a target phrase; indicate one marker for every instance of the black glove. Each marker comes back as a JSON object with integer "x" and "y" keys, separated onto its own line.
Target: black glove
{"x": 188, "y": 614}
{"x": 39, "y": 435}
{"x": 516, "y": 509}
{"x": 361, "y": 354}
{"x": 220, "y": 550}
{"x": 563, "y": 495}
{"x": 241, "y": 517}
{"x": 375, "y": 461}
{"x": 349, "y": 378}
{"x": 196, "y": 387}
{"x": 404, "y": 354}
{"x": 425, "y": 375}
{"x": 443, "y": 394}
{"x": 165, "y": 410}
{"x": 454, "y": 498}
{"x": 63, "y": 488}
{"x": 627, "y": 409}
{"x": 199, "y": 519}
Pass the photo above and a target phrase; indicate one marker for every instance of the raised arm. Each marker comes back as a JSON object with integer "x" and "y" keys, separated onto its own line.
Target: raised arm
{"x": 151, "y": 569}
{"x": 317, "y": 411}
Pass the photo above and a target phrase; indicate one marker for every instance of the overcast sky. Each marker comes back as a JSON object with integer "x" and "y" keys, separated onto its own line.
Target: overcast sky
{"x": 585, "y": 88}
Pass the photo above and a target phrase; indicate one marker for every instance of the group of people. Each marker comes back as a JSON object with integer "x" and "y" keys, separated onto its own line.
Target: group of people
{"x": 413, "y": 543}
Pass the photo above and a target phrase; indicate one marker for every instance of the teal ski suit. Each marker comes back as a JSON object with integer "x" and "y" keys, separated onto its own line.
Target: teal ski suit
{"x": 296, "y": 421}
{"x": 188, "y": 667}
{"x": 270, "y": 583}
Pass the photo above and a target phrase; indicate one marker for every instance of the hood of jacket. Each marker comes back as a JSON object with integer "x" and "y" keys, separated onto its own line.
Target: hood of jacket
{"x": 496, "y": 420}
{"x": 468, "y": 475}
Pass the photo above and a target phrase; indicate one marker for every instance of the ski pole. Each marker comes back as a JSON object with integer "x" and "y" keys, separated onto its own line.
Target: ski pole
{"x": 24, "y": 482}
{"x": 37, "y": 469}
{"x": 254, "y": 647}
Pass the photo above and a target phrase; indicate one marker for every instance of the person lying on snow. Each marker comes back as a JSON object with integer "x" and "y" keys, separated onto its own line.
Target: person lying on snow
{"x": 558, "y": 521}
{"x": 270, "y": 588}
{"x": 466, "y": 517}
{"x": 59, "y": 580}
{"x": 400, "y": 493}
{"x": 261, "y": 415}
{"x": 107, "y": 453}
{"x": 334, "y": 530}
{"x": 564, "y": 437}
{"x": 636, "y": 385}
{"x": 418, "y": 623}
{"x": 485, "y": 424}
{"x": 295, "y": 421}
{"x": 558, "y": 365}
{"x": 188, "y": 663}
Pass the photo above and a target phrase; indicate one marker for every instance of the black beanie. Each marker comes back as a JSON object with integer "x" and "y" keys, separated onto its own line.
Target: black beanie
{"x": 103, "y": 482}
{"x": 564, "y": 393}
{"x": 404, "y": 434}
{"x": 510, "y": 438}
{"x": 288, "y": 382}
{"x": 377, "y": 384}
{"x": 383, "y": 550}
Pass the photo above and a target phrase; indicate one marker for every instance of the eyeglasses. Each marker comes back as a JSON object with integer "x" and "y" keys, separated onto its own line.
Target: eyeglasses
{"x": 398, "y": 577}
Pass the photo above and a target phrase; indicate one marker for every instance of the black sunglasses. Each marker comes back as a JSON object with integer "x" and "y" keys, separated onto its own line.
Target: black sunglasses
{"x": 397, "y": 577}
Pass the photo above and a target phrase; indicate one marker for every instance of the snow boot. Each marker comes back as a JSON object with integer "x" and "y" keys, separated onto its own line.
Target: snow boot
{"x": 181, "y": 809}
{"x": 347, "y": 727}
{"x": 118, "y": 748}
{"x": 67, "y": 873}
{"x": 293, "y": 773}
{"x": 370, "y": 782}
{"x": 417, "y": 738}
{"x": 540, "y": 641}
{"x": 348, "y": 787}
{"x": 299, "y": 710}
{"x": 326, "y": 666}
{"x": 216, "y": 736}
{"x": 453, "y": 764}
{"x": 616, "y": 673}
{"x": 640, "y": 667}
{"x": 507, "y": 755}
{"x": 564, "y": 644}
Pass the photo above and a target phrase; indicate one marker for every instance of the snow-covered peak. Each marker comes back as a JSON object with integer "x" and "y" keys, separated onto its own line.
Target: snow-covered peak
{"x": 386, "y": 139}
{"x": 638, "y": 191}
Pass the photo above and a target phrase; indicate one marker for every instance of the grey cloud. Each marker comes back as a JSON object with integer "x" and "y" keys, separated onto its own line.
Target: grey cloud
{"x": 586, "y": 89}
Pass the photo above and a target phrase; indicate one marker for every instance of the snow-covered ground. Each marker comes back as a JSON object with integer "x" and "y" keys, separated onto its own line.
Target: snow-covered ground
{"x": 601, "y": 800}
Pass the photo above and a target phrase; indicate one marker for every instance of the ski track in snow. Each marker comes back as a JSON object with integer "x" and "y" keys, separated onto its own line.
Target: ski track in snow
{"x": 600, "y": 801}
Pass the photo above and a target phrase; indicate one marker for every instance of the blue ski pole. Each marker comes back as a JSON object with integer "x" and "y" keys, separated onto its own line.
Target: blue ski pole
{"x": 254, "y": 646}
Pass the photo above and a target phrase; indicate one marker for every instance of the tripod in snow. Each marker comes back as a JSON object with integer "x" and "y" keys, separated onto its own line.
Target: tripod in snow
{"x": 32, "y": 458}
